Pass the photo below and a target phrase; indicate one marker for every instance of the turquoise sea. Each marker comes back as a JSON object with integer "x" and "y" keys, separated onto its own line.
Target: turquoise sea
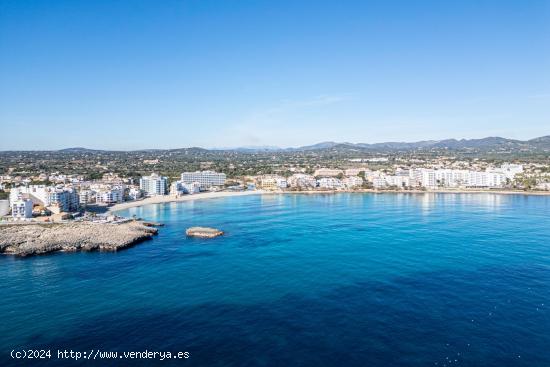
{"x": 301, "y": 280}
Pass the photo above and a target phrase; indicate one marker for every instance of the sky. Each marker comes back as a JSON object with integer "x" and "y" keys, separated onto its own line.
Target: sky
{"x": 169, "y": 74}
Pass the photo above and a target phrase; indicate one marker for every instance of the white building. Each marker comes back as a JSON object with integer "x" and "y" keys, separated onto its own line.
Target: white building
{"x": 176, "y": 189}
{"x": 424, "y": 177}
{"x": 302, "y": 180}
{"x": 379, "y": 182}
{"x": 433, "y": 178}
{"x": 282, "y": 182}
{"x": 206, "y": 179}
{"x": 371, "y": 175}
{"x": 267, "y": 182}
{"x": 486, "y": 179}
{"x": 111, "y": 195}
{"x": 352, "y": 182}
{"x": 154, "y": 185}
{"x": 86, "y": 197}
{"x": 180, "y": 188}
{"x": 134, "y": 193}
{"x": 4, "y": 207}
{"x": 37, "y": 192}
{"x": 63, "y": 199}
{"x": 60, "y": 198}
{"x": 191, "y": 188}
{"x": 330, "y": 183}
{"x": 399, "y": 181}
{"x": 511, "y": 170}
{"x": 21, "y": 209}
{"x": 379, "y": 159}
{"x": 272, "y": 182}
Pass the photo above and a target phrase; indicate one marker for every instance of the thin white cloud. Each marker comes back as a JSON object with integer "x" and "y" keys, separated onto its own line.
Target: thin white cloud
{"x": 293, "y": 105}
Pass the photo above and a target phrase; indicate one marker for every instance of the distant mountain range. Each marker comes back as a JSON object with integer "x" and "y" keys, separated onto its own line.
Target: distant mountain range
{"x": 489, "y": 143}
{"x": 541, "y": 144}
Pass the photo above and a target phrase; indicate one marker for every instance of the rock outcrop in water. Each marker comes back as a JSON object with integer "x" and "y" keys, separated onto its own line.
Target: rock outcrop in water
{"x": 35, "y": 239}
{"x": 203, "y": 232}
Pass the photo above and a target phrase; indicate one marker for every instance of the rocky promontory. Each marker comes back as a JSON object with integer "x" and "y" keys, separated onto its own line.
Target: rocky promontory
{"x": 35, "y": 239}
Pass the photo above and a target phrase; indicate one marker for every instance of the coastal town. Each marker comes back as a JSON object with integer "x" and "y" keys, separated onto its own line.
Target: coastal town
{"x": 72, "y": 199}
{"x": 57, "y": 197}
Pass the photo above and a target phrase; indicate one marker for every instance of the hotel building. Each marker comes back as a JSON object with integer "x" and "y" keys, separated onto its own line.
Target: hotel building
{"x": 330, "y": 183}
{"x": 110, "y": 196}
{"x": 206, "y": 179}
{"x": 352, "y": 182}
{"x": 154, "y": 185}
{"x": 302, "y": 180}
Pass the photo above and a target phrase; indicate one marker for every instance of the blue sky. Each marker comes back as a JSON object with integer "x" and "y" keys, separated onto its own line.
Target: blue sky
{"x": 167, "y": 74}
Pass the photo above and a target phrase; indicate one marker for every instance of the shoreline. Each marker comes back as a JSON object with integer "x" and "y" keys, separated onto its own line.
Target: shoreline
{"x": 173, "y": 199}
{"x": 222, "y": 194}
{"x": 38, "y": 239}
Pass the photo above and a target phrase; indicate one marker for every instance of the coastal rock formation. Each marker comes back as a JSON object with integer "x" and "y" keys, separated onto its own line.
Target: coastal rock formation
{"x": 203, "y": 232}
{"x": 35, "y": 239}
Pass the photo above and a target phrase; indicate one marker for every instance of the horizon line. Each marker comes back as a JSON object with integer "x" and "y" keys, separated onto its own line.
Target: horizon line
{"x": 267, "y": 147}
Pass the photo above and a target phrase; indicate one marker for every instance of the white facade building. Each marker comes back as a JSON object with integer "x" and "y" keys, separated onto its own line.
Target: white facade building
{"x": 37, "y": 192}
{"x": 282, "y": 182}
{"x": 21, "y": 209}
{"x": 433, "y": 178}
{"x": 176, "y": 189}
{"x": 111, "y": 195}
{"x": 206, "y": 179}
{"x": 379, "y": 182}
{"x": 486, "y": 179}
{"x": 352, "y": 182}
{"x": 154, "y": 185}
{"x": 180, "y": 188}
{"x": 63, "y": 199}
{"x": 399, "y": 181}
{"x": 4, "y": 207}
{"x": 427, "y": 178}
{"x": 511, "y": 170}
{"x": 302, "y": 180}
{"x": 191, "y": 188}
{"x": 59, "y": 198}
{"x": 272, "y": 182}
{"x": 86, "y": 197}
{"x": 330, "y": 183}
{"x": 267, "y": 182}
{"x": 134, "y": 193}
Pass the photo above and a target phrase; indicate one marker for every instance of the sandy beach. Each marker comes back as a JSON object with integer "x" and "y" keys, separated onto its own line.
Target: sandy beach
{"x": 222, "y": 194}
{"x": 170, "y": 198}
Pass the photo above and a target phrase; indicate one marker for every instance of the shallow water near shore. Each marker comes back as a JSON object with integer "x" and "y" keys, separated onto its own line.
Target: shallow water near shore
{"x": 310, "y": 280}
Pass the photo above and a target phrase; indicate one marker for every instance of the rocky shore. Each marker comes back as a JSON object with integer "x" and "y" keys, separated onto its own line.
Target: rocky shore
{"x": 36, "y": 239}
{"x": 203, "y": 232}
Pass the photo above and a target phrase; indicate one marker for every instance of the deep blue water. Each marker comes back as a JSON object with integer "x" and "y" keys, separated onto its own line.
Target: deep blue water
{"x": 307, "y": 280}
